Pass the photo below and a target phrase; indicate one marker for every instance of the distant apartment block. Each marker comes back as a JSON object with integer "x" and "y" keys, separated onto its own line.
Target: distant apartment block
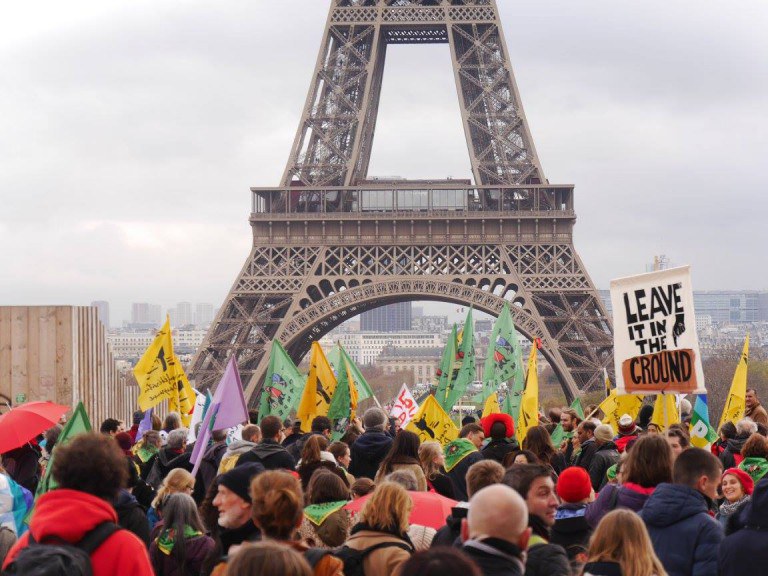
{"x": 390, "y": 318}
{"x": 102, "y": 306}
{"x": 145, "y": 315}
{"x": 365, "y": 347}
{"x": 203, "y": 314}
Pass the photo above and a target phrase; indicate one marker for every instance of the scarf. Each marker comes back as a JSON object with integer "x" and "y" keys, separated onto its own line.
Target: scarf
{"x": 146, "y": 452}
{"x": 755, "y": 466}
{"x": 167, "y": 538}
{"x": 456, "y": 451}
{"x": 728, "y": 508}
{"x": 319, "y": 513}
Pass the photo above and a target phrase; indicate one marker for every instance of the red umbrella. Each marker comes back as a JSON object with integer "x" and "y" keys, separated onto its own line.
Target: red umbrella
{"x": 429, "y": 508}
{"x": 26, "y": 421}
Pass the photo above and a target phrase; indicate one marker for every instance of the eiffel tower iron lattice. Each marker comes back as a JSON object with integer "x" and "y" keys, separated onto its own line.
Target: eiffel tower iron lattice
{"x": 329, "y": 244}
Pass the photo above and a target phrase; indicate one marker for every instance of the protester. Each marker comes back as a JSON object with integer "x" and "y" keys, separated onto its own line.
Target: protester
{"x": 268, "y": 559}
{"x": 383, "y": 520}
{"x": 460, "y": 455}
{"x": 684, "y": 535}
{"x": 138, "y": 416}
{"x": 145, "y": 452}
{"x": 754, "y": 410}
{"x": 341, "y": 452}
{"x": 628, "y": 431}
{"x": 130, "y": 512}
{"x": 569, "y": 420}
{"x": 404, "y": 454}
{"x": 621, "y": 547}
{"x": 269, "y": 452}
{"x": 644, "y": 416}
{"x": 755, "y": 453}
{"x": 314, "y": 457}
{"x": 496, "y": 531}
{"x": 737, "y": 487}
{"x": 250, "y": 435}
{"x": 233, "y": 501}
{"x": 22, "y": 464}
{"x": 171, "y": 457}
{"x": 606, "y": 455}
{"x": 432, "y": 461}
{"x": 678, "y": 441}
{"x": 372, "y": 446}
{"x": 326, "y": 524}
{"x": 111, "y": 427}
{"x": 648, "y": 464}
{"x": 89, "y": 471}
{"x": 172, "y": 422}
{"x": 585, "y": 436}
{"x": 361, "y": 487}
{"x": 520, "y": 457}
{"x": 534, "y": 483}
{"x": 178, "y": 480}
{"x": 440, "y": 562}
{"x": 500, "y": 428}
{"x": 727, "y": 431}
{"x": 209, "y": 465}
{"x": 278, "y": 512}
{"x": 538, "y": 441}
{"x": 182, "y": 547}
{"x": 571, "y": 530}
{"x": 320, "y": 426}
{"x": 293, "y": 433}
{"x": 731, "y": 456}
{"x": 744, "y": 551}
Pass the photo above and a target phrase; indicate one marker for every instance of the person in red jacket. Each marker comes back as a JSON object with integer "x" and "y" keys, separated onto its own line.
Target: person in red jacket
{"x": 90, "y": 471}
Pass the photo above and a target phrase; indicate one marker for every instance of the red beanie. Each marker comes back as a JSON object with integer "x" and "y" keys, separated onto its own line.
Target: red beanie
{"x": 124, "y": 441}
{"x": 747, "y": 484}
{"x": 505, "y": 419}
{"x": 574, "y": 485}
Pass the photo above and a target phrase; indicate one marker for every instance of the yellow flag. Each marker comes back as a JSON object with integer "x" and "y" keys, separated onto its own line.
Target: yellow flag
{"x": 319, "y": 389}
{"x": 156, "y": 372}
{"x": 614, "y": 407}
{"x": 529, "y": 404}
{"x": 352, "y": 392}
{"x": 433, "y": 423}
{"x": 673, "y": 414}
{"x": 491, "y": 405}
{"x": 736, "y": 403}
{"x": 184, "y": 401}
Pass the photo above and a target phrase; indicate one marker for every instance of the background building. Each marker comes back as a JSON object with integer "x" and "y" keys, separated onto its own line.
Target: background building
{"x": 145, "y": 315}
{"x": 103, "y": 311}
{"x": 390, "y": 318}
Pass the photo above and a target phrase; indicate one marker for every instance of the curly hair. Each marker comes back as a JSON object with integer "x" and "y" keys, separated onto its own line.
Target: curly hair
{"x": 92, "y": 463}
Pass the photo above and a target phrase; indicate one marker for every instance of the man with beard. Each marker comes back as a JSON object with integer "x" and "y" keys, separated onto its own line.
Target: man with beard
{"x": 233, "y": 501}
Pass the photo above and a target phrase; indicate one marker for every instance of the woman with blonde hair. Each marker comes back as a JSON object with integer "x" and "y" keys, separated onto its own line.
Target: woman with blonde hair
{"x": 432, "y": 461}
{"x": 383, "y": 522}
{"x": 266, "y": 559}
{"x": 621, "y": 547}
{"x": 177, "y": 481}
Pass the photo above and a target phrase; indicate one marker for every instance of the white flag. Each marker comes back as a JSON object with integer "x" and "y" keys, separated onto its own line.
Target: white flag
{"x": 405, "y": 407}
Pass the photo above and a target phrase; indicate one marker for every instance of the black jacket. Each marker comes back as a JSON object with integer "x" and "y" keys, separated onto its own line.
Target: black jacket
{"x": 168, "y": 460}
{"x": 209, "y": 467}
{"x": 605, "y": 456}
{"x": 442, "y": 485}
{"x": 495, "y": 557}
{"x": 270, "y": 454}
{"x": 497, "y": 449}
{"x": 131, "y": 516}
{"x": 584, "y": 457}
{"x": 571, "y": 530}
{"x": 458, "y": 475}
{"x": 685, "y": 537}
{"x": 450, "y": 534}
{"x": 602, "y": 569}
{"x": 248, "y": 532}
{"x": 367, "y": 452}
{"x": 295, "y": 449}
{"x": 744, "y": 550}
{"x": 544, "y": 558}
{"x": 733, "y": 447}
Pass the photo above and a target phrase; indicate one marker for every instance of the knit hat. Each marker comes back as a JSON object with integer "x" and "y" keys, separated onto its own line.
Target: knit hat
{"x": 505, "y": 419}
{"x": 374, "y": 419}
{"x": 747, "y": 484}
{"x": 604, "y": 433}
{"x": 574, "y": 485}
{"x": 239, "y": 479}
{"x": 124, "y": 441}
{"x": 626, "y": 424}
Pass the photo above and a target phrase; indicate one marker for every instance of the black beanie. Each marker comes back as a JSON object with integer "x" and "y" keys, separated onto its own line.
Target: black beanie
{"x": 239, "y": 479}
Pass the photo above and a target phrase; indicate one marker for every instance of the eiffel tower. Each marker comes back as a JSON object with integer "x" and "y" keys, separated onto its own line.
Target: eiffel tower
{"x": 329, "y": 244}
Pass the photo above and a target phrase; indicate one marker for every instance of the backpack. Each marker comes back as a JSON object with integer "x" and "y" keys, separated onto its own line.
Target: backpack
{"x": 60, "y": 558}
{"x": 353, "y": 559}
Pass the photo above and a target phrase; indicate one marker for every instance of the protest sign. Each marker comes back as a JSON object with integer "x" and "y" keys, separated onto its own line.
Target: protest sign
{"x": 405, "y": 407}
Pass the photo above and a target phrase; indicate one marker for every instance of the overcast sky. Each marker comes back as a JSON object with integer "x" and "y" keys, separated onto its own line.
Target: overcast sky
{"x": 131, "y": 131}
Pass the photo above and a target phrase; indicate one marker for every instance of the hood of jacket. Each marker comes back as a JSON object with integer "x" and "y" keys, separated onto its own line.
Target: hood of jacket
{"x": 736, "y": 444}
{"x": 607, "y": 446}
{"x": 266, "y": 448}
{"x": 673, "y": 503}
{"x": 69, "y": 514}
{"x": 373, "y": 445}
{"x": 571, "y": 518}
{"x": 125, "y": 500}
{"x": 239, "y": 447}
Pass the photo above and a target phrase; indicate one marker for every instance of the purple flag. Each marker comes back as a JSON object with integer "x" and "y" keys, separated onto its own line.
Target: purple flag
{"x": 227, "y": 409}
{"x": 144, "y": 425}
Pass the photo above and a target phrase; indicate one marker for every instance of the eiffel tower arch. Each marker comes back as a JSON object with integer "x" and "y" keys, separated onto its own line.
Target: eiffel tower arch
{"x": 329, "y": 243}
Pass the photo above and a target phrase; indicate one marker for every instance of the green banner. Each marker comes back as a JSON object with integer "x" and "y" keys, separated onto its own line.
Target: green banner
{"x": 283, "y": 385}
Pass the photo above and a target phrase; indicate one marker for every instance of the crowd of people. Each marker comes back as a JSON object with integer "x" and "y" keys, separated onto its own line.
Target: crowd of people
{"x": 636, "y": 501}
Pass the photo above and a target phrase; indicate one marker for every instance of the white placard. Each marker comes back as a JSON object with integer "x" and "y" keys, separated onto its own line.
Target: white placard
{"x": 405, "y": 407}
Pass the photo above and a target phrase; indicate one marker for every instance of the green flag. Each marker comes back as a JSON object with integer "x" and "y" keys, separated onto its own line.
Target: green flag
{"x": 466, "y": 356}
{"x": 344, "y": 400}
{"x": 505, "y": 357}
{"x": 77, "y": 424}
{"x": 335, "y": 356}
{"x": 445, "y": 372}
{"x": 283, "y": 385}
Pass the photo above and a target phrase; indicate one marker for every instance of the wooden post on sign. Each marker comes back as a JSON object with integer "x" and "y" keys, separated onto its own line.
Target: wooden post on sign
{"x": 666, "y": 414}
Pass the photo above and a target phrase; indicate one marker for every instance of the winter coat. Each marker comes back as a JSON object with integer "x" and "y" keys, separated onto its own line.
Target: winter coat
{"x": 442, "y": 485}
{"x": 497, "y": 449}
{"x": 367, "y": 452}
{"x": 233, "y": 453}
{"x": 628, "y": 497}
{"x": 271, "y": 454}
{"x": 495, "y": 557}
{"x": 745, "y": 549}
{"x": 585, "y": 455}
{"x": 450, "y": 534}
{"x": 622, "y": 440}
{"x": 68, "y": 515}
{"x": 330, "y": 534}
{"x": 544, "y": 558}
{"x": 196, "y": 551}
{"x": 166, "y": 461}
{"x": 458, "y": 474}
{"x": 131, "y": 516}
{"x": 296, "y": 448}
{"x": 602, "y": 569}
{"x": 605, "y": 456}
{"x": 757, "y": 413}
{"x": 306, "y": 470}
{"x": 571, "y": 530}
{"x": 733, "y": 448}
{"x": 418, "y": 472}
{"x": 248, "y": 532}
{"x": 685, "y": 537}
{"x": 381, "y": 562}
{"x": 209, "y": 467}
{"x": 328, "y": 565}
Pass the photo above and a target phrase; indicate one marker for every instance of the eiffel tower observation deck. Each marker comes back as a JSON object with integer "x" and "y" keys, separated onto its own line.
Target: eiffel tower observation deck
{"x": 330, "y": 243}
